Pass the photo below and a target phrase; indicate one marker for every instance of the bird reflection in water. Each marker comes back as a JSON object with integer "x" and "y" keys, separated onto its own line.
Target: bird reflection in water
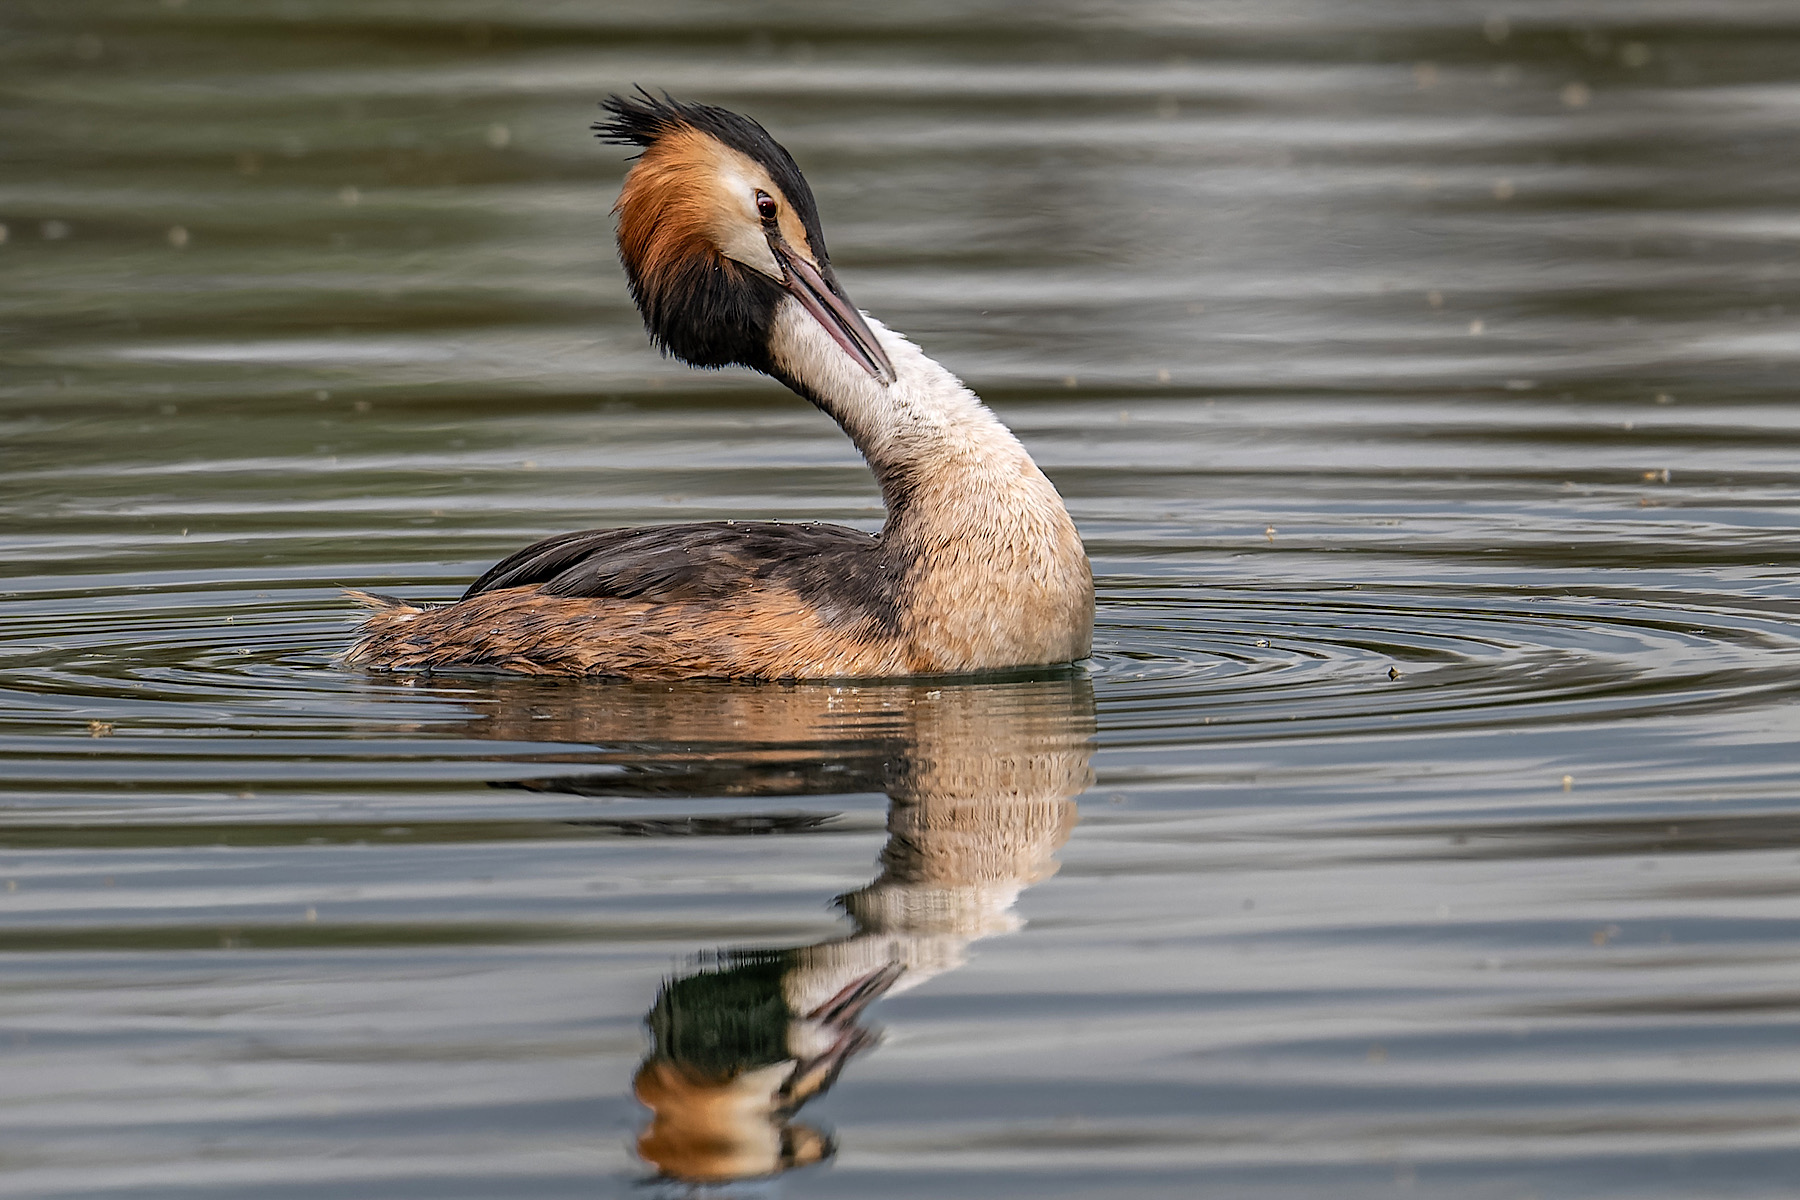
{"x": 982, "y": 780}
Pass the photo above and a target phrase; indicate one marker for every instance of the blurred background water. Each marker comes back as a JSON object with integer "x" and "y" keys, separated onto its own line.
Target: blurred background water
{"x": 1428, "y": 819}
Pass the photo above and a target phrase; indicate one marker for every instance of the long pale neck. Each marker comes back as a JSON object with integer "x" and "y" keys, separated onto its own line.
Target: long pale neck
{"x": 937, "y": 452}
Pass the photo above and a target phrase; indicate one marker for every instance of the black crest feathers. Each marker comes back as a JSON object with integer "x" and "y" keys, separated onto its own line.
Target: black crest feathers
{"x": 637, "y": 120}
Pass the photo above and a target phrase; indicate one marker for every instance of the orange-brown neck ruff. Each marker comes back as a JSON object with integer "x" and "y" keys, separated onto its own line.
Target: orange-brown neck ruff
{"x": 697, "y": 304}
{"x": 664, "y": 208}
{"x": 696, "y": 251}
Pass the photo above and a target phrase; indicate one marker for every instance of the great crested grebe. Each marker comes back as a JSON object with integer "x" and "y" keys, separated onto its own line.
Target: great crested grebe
{"x": 978, "y": 566}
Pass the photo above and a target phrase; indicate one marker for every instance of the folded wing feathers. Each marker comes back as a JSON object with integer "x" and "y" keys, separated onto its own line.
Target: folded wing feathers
{"x": 667, "y": 562}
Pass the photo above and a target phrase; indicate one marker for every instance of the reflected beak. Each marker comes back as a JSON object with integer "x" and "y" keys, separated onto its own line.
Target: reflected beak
{"x": 832, "y": 309}
{"x": 816, "y": 1075}
{"x": 845, "y": 1007}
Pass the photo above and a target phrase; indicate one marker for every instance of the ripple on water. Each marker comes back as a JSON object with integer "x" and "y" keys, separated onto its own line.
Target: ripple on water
{"x": 1172, "y": 661}
{"x": 1278, "y": 662}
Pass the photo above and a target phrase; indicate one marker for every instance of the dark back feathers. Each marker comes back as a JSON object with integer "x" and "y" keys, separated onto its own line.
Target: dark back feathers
{"x": 830, "y": 567}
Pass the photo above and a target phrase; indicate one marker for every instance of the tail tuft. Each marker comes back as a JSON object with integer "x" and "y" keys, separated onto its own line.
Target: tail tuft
{"x": 387, "y": 617}
{"x": 379, "y": 602}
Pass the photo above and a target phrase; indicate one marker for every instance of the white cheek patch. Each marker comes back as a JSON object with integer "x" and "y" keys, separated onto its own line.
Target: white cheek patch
{"x": 737, "y": 229}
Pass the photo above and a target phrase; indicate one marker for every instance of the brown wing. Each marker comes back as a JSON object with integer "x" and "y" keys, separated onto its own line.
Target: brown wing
{"x": 712, "y": 560}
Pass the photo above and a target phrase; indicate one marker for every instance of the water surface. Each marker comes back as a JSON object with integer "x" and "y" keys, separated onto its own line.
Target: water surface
{"x": 1425, "y": 823}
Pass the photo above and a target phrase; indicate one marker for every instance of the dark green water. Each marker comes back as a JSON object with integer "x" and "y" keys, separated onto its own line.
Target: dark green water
{"x": 1427, "y": 822}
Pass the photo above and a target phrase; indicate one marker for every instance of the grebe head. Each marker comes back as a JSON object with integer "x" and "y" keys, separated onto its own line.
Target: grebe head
{"x": 716, "y": 227}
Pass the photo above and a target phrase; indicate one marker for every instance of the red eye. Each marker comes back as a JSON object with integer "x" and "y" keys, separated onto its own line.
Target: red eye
{"x": 766, "y": 206}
